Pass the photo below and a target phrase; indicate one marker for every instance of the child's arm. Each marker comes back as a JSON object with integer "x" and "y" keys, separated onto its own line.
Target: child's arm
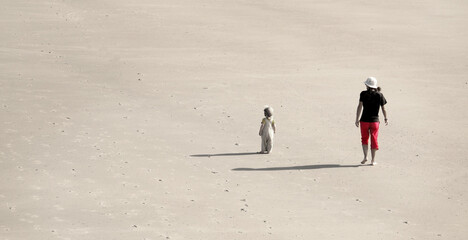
{"x": 274, "y": 126}
{"x": 261, "y": 128}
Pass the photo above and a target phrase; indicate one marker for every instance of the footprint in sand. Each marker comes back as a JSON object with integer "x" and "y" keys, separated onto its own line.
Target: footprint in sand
{"x": 57, "y": 219}
{"x": 30, "y": 218}
{"x": 79, "y": 231}
{"x": 36, "y": 198}
{"x": 27, "y": 139}
{"x": 4, "y": 228}
{"x": 68, "y": 162}
{"x": 38, "y": 162}
{"x": 12, "y": 208}
{"x": 104, "y": 204}
{"x": 89, "y": 180}
{"x": 58, "y": 207}
{"x": 36, "y": 187}
{"x": 64, "y": 183}
{"x": 133, "y": 212}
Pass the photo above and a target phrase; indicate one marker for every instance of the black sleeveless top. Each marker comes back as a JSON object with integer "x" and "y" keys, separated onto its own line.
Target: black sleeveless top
{"x": 372, "y": 100}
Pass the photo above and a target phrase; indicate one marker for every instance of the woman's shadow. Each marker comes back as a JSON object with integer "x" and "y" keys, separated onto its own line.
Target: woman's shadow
{"x": 305, "y": 167}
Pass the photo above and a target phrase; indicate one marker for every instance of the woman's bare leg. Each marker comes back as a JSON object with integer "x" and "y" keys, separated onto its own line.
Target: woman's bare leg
{"x": 373, "y": 151}
{"x": 365, "y": 149}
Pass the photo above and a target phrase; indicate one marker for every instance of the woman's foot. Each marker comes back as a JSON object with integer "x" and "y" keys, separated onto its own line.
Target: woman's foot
{"x": 373, "y": 163}
{"x": 364, "y": 161}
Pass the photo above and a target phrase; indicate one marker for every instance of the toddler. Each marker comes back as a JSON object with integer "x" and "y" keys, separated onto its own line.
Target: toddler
{"x": 267, "y": 130}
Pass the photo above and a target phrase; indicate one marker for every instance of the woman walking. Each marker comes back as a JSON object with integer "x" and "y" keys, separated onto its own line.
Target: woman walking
{"x": 371, "y": 100}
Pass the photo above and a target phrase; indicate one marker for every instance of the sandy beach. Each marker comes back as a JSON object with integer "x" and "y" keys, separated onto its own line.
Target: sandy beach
{"x": 139, "y": 119}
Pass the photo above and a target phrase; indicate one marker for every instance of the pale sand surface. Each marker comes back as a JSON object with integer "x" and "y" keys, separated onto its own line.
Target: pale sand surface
{"x": 136, "y": 119}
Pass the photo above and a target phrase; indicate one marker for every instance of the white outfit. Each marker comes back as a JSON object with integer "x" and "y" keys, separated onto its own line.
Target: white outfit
{"x": 268, "y": 134}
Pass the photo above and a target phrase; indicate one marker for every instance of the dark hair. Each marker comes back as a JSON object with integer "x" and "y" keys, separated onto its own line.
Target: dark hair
{"x": 378, "y": 89}
{"x": 267, "y": 112}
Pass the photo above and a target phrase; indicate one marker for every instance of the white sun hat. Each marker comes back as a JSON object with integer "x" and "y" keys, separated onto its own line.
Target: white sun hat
{"x": 269, "y": 109}
{"x": 371, "y": 82}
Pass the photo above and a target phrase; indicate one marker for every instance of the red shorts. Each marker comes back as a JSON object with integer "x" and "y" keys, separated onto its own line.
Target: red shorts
{"x": 372, "y": 129}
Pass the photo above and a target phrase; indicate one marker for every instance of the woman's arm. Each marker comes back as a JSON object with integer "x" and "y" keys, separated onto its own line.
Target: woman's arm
{"x": 385, "y": 114}
{"x": 358, "y": 113}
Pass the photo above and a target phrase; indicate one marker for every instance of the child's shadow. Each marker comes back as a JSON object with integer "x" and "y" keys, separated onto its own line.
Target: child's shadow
{"x": 224, "y": 154}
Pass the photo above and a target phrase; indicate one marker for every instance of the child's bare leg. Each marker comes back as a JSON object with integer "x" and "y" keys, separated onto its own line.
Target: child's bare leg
{"x": 270, "y": 145}
{"x": 263, "y": 145}
{"x": 268, "y": 148}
